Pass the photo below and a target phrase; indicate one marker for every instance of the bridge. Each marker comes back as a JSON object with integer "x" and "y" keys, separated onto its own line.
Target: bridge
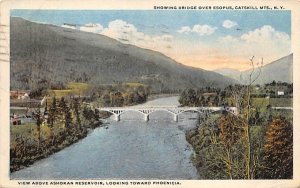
{"x": 175, "y": 111}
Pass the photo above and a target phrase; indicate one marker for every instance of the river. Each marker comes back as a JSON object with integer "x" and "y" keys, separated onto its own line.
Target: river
{"x": 128, "y": 149}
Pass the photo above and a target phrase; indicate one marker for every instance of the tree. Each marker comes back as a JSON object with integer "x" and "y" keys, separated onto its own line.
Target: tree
{"x": 242, "y": 99}
{"x": 141, "y": 90}
{"x": 52, "y": 112}
{"x": 216, "y": 101}
{"x": 38, "y": 92}
{"x": 219, "y": 147}
{"x": 131, "y": 98}
{"x": 249, "y": 156}
{"x": 233, "y": 139}
{"x": 76, "y": 109}
{"x": 278, "y": 149}
{"x": 235, "y": 145}
{"x": 202, "y": 101}
{"x": 118, "y": 98}
{"x": 188, "y": 97}
{"x": 88, "y": 114}
{"x": 97, "y": 115}
{"x": 65, "y": 113}
{"x": 68, "y": 117}
{"x": 39, "y": 121}
{"x": 106, "y": 99}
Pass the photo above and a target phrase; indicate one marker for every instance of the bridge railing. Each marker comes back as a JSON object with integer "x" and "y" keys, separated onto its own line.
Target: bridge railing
{"x": 175, "y": 111}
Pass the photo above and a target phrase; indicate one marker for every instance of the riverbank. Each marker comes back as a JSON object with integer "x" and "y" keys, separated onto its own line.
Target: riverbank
{"x": 25, "y": 149}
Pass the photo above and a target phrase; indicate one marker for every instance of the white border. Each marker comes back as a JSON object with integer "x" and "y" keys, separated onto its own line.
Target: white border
{"x": 6, "y": 5}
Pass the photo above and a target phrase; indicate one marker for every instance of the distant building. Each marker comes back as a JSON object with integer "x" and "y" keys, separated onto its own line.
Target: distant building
{"x": 279, "y": 89}
{"x": 25, "y": 97}
{"x": 21, "y": 95}
{"x": 15, "y": 121}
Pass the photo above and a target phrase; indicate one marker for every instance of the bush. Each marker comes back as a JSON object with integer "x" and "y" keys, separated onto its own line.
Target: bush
{"x": 278, "y": 149}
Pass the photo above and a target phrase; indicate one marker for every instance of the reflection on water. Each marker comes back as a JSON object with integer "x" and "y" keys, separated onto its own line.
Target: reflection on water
{"x": 129, "y": 149}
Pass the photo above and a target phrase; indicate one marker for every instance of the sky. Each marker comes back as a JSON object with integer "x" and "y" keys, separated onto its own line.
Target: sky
{"x": 210, "y": 39}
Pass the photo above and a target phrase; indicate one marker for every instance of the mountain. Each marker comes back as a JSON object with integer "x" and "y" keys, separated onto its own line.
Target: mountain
{"x": 279, "y": 70}
{"x": 43, "y": 54}
{"x": 231, "y": 73}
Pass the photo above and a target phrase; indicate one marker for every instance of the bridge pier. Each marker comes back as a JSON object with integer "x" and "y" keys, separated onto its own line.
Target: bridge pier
{"x": 117, "y": 117}
{"x": 175, "y": 117}
{"x": 146, "y": 117}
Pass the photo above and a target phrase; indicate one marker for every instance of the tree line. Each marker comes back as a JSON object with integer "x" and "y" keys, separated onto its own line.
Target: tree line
{"x": 119, "y": 95}
{"x": 256, "y": 143}
{"x": 202, "y": 97}
{"x": 57, "y": 125}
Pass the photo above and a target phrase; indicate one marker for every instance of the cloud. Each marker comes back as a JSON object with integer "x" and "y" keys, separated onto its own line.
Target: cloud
{"x": 92, "y": 27}
{"x": 265, "y": 34}
{"x": 263, "y": 42}
{"x": 229, "y": 24}
{"x": 204, "y": 29}
{"x": 184, "y": 29}
{"x": 127, "y": 33}
{"x": 69, "y": 26}
{"x": 199, "y": 29}
{"x": 123, "y": 31}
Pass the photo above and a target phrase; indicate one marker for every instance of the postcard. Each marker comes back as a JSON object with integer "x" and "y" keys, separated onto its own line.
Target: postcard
{"x": 149, "y": 94}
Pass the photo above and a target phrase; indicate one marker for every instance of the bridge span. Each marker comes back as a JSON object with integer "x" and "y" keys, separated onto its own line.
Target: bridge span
{"x": 175, "y": 111}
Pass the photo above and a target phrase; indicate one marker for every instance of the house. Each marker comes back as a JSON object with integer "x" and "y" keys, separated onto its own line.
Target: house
{"x": 280, "y": 93}
{"x": 21, "y": 95}
{"x": 15, "y": 121}
{"x": 24, "y": 97}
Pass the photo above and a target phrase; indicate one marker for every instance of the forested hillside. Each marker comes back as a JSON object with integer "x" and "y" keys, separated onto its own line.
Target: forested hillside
{"x": 51, "y": 56}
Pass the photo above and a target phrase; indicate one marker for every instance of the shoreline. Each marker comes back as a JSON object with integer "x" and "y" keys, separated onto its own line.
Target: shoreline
{"x": 45, "y": 152}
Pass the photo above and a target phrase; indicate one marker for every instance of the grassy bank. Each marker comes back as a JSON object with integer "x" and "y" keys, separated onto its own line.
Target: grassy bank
{"x": 55, "y": 126}
{"x": 26, "y": 147}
